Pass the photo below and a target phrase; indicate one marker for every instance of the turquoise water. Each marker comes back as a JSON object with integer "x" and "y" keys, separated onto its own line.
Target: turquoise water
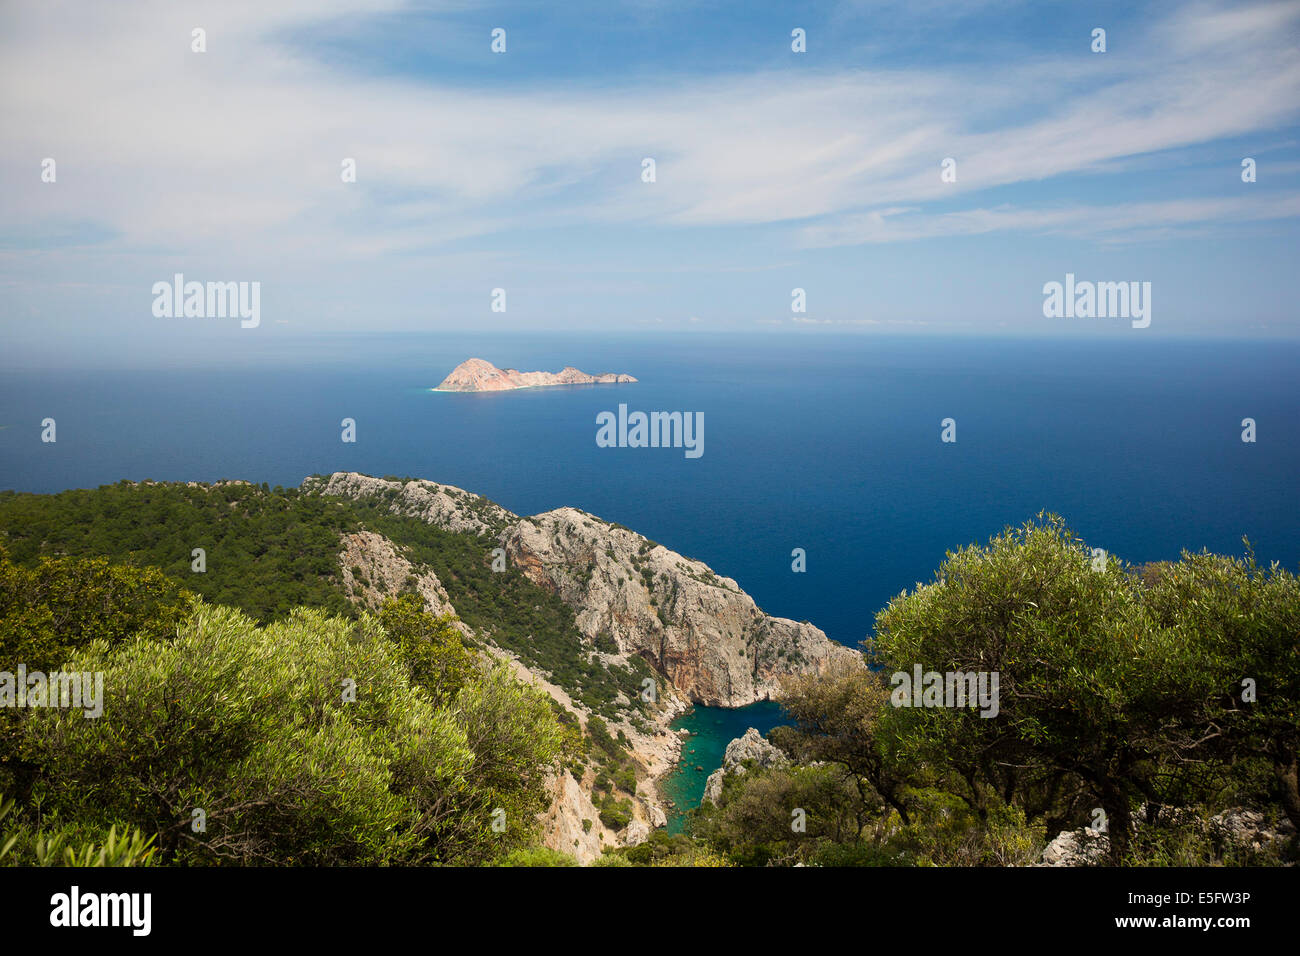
{"x": 712, "y": 728}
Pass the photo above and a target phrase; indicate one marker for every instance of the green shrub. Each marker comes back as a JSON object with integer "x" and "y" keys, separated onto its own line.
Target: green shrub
{"x": 537, "y": 856}
{"x": 303, "y": 742}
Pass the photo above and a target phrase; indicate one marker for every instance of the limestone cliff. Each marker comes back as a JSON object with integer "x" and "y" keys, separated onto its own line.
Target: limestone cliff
{"x": 371, "y": 569}
{"x": 632, "y": 599}
{"x": 699, "y": 630}
{"x": 750, "y": 749}
{"x": 446, "y": 506}
{"x": 572, "y": 823}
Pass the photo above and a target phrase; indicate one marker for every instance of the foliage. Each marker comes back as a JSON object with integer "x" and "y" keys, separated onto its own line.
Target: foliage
{"x": 65, "y": 847}
{"x": 1090, "y": 685}
{"x": 437, "y": 658}
{"x": 50, "y": 611}
{"x": 536, "y": 856}
{"x": 268, "y": 551}
{"x": 780, "y": 816}
{"x": 265, "y": 551}
{"x": 53, "y": 609}
{"x": 302, "y": 742}
{"x": 1170, "y": 689}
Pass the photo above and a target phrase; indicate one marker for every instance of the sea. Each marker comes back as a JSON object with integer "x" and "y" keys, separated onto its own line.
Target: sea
{"x": 829, "y": 446}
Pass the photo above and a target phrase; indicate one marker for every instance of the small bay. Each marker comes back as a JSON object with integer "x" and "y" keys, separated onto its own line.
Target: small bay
{"x": 712, "y": 728}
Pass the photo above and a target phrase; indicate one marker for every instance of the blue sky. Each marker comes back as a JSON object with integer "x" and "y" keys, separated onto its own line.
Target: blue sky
{"x": 521, "y": 170}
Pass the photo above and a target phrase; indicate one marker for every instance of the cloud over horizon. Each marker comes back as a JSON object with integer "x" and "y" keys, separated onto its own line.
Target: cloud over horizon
{"x": 229, "y": 161}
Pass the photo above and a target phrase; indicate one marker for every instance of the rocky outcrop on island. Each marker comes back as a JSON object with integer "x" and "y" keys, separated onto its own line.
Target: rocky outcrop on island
{"x": 478, "y": 375}
{"x": 752, "y": 749}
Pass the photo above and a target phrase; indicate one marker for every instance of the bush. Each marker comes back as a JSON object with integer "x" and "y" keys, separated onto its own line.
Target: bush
{"x": 66, "y": 846}
{"x": 303, "y": 742}
{"x": 536, "y": 856}
{"x": 614, "y": 813}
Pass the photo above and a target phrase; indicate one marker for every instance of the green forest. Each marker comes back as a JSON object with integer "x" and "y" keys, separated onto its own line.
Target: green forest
{"x": 269, "y": 550}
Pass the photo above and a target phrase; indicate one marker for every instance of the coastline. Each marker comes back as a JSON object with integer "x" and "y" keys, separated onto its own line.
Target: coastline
{"x": 710, "y": 729}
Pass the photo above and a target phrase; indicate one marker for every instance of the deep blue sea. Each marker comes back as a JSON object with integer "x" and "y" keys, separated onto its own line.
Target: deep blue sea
{"x": 830, "y": 444}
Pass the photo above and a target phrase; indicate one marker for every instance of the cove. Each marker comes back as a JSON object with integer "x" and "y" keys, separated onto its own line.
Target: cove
{"x": 712, "y": 728}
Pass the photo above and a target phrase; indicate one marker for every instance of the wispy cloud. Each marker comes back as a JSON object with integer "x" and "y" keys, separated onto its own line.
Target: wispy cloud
{"x": 1110, "y": 222}
{"x": 230, "y": 160}
{"x": 163, "y": 147}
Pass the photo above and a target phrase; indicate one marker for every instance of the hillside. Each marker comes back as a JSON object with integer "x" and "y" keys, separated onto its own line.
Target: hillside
{"x": 611, "y": 625}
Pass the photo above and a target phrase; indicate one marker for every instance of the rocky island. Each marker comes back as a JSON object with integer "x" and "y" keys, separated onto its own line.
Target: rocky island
{"x": 478, "y": 375}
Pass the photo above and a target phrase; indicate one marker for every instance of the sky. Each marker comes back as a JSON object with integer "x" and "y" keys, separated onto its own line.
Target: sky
{"x": 522, "y": 170}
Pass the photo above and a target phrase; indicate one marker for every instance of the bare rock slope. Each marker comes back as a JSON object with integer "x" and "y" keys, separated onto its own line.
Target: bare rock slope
{"x": 700, "y": 631}
{"x": 752, "y": 748}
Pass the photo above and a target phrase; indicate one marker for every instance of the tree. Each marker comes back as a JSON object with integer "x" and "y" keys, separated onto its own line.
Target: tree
{"x": 434, "y": 649}
{"x": 1090, "y": 684}
{"x": 253, "y": 731}
{"x": 57, "y": 607}
{"x": 781, "y": 814}
{"x": 50, "y": 612}
{"x": 1244, "y": 621}
{"x": 834, "y": 719}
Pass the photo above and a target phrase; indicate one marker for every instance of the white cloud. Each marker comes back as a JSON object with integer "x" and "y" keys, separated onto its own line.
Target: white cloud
{"x": 237, "y": 151}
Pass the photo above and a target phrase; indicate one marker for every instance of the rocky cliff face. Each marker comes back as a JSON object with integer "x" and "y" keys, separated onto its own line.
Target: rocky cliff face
{"x": 446, "y": 506}
{"x": 372, "y": 569}
{"x": 572, "y": 823}
{"x": 477, "y": 375}
{"x": 752, "y": 748}
{"x": 632, "y": 598}
{"x": 699, "y": 630}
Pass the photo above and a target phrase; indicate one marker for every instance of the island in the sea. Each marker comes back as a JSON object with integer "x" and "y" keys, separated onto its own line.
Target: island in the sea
{"x": 477, "y": 375}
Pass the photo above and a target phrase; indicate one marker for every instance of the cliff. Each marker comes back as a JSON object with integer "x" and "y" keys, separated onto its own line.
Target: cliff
{"x": 634, "y": 602}
{"x": 698, "y": 630}
{"x": 477, "y": 375}
{"x": 751, "y": 749}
